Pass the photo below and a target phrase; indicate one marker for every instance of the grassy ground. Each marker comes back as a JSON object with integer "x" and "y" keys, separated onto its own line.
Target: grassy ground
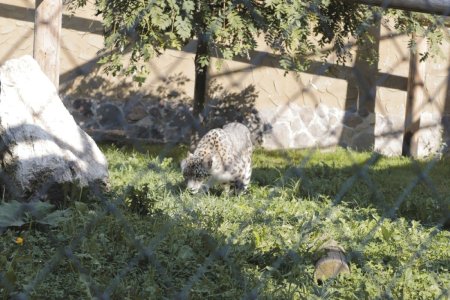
{"x": 149, "y": 239}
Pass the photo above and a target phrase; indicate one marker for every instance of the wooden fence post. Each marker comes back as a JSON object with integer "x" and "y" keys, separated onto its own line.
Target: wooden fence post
{"x": 47, "y": 32}
{"x": 415, "y": 98}
{"x": 439, "y": 7}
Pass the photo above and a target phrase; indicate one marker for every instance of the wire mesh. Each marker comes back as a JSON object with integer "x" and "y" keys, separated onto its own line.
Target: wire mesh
{"x": 149, "y": 257}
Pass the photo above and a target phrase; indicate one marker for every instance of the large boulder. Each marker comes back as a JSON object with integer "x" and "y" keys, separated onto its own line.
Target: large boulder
{"x": 42, "y": 149}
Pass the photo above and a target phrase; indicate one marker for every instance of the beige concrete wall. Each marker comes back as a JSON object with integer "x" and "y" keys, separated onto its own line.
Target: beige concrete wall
{"x": 354, "y": 105}
{"x": 16, "y": 28}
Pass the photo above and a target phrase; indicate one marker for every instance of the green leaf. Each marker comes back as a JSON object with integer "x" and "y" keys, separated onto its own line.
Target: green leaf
{"x": 183, "y": 27}
{"x": 386, "y": 233}
{"x": 188, "y": 6}
{"x": 81, "y": 207}
{"x": 11, "y": 214}
{"x": 38, "y": 209}
{"x": 11, "y": 277}
{"x": 185, "y": 252}
{"x": 16, "y": 214}
{"x": 54, "y": 218}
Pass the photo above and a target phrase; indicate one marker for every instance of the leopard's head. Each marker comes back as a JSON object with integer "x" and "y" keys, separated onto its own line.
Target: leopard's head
{"x": 195, "y": 171}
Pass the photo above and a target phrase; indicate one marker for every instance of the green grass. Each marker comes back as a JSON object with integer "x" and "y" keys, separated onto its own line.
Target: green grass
{"x": 263, "y": 243}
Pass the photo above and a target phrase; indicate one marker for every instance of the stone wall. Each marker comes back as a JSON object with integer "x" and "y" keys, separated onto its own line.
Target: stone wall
{"x": 162, "y": 118}
{"x": 356, "y": 105}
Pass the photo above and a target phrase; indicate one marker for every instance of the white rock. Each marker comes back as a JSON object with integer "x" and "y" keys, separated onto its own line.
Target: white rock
{"x": 41, "y": 143}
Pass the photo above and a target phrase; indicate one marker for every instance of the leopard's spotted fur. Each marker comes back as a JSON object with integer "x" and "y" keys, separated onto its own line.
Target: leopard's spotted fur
{"x": 223, "y": 155}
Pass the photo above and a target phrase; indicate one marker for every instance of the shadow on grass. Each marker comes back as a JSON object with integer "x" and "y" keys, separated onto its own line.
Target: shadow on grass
{"x": 384, "y": 187}
{"x": 389, "y": 181}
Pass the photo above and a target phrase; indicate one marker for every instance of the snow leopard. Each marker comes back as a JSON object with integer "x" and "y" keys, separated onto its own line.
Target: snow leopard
{"x": 224, "y": 156}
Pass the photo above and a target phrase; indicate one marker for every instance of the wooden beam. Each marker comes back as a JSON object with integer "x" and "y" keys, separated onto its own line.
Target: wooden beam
{"x": 415, "y": 98}
{"x": 47, "y": 33}
{"x": 438, "y": 7}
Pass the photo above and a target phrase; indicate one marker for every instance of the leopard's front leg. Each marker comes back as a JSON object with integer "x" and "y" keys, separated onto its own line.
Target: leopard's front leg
{"x": 209, "y": 184}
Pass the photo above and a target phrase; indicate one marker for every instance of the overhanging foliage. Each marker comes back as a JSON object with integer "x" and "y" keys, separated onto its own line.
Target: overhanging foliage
{"x": 297, "y": 30}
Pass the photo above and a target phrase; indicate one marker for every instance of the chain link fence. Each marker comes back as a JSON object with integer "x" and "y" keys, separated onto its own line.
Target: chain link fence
{"x": 147, "y": 237}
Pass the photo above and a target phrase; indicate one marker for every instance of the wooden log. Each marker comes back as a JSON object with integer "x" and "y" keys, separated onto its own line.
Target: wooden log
{"x": 438, "y": 7}
{"x": 47, "y": 34}
{"x": 331, "y": 263}
{"x": 415, "y": 98}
